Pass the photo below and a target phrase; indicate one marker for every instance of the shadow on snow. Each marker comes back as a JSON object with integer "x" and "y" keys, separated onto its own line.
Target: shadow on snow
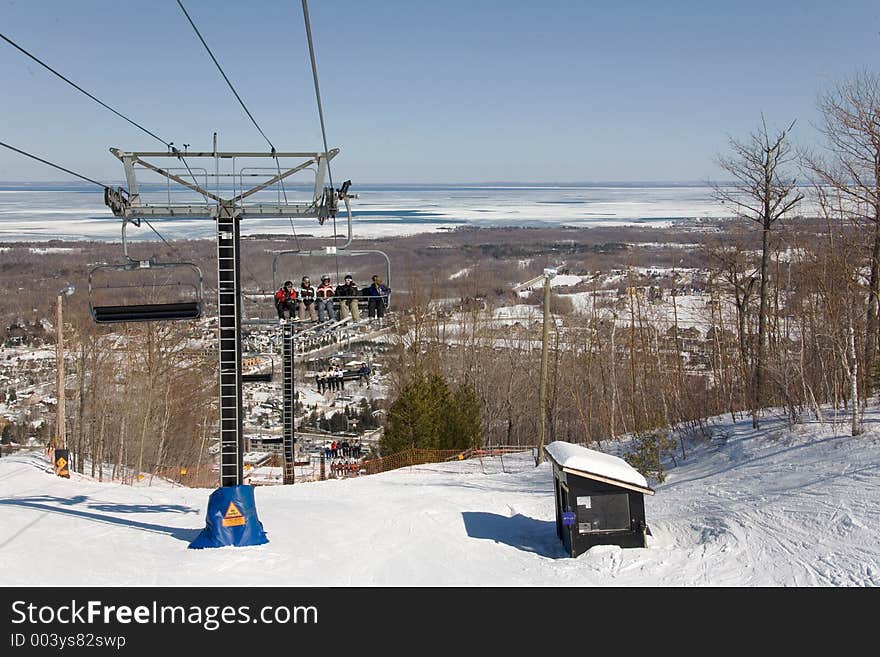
{"x": 60, "y": 505}
{"x": 523, "y": 533}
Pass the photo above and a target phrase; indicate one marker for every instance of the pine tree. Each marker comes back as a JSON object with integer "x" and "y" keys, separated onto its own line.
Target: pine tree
{"x": 428, "y": 415}
{"x": 411, "y": 418}
{"x": 338, "y": 422}
{"x": 646, "y": 453}
{"x": 462, "y": 429}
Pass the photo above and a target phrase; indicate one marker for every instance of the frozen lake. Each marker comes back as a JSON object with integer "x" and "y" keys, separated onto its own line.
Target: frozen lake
{"x": 73, "y": 211}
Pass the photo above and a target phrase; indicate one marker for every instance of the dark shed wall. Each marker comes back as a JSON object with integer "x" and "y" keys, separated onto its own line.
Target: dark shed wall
{"x": 578, "y": 486}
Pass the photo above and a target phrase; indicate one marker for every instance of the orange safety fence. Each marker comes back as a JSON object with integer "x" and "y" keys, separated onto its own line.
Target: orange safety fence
{"x": 498, "y": 450}
{"x": 407, "y": 457}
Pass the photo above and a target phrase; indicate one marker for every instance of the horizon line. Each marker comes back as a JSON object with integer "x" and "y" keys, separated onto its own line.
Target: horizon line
{"x": 515, "y": 183}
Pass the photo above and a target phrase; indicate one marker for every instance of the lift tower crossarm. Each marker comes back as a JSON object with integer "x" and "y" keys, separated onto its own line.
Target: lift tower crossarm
{"x": 302, "y": 210}
{"x": 223, "y": 154}
{"x": 322, "y": 205}
{"x": 129, "y": 159}
{"x": 273, "y": 180}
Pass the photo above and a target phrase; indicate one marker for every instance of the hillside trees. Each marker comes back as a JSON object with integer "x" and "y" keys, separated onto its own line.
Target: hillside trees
{"x": 733, "y": 290}
{"x": 833, "y": 311}
{"x": 144, "y": 398}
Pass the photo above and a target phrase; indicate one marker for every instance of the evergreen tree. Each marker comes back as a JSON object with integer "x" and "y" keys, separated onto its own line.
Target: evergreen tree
{"x": 647, "y": 450}
{"x": 462, "y": 428}
{"x": 410, "y": 418}
{"x": 338, "y": 422}
{"x": 364, "y": 415}
{"x": 428, "y": 415}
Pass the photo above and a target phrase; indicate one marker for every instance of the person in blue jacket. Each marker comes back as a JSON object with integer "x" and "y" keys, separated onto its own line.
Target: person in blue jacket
{"x": 377, "y": 298}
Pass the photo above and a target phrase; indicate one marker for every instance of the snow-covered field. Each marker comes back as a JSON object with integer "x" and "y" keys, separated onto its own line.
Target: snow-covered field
{"x": 746, "y": 508}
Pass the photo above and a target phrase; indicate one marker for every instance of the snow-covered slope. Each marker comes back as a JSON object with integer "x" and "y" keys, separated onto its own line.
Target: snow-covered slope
{"x": 767, "y": 508}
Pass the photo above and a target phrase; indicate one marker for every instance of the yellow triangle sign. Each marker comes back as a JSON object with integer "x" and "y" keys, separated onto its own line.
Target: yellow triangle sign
{"x": 233, "y": 517}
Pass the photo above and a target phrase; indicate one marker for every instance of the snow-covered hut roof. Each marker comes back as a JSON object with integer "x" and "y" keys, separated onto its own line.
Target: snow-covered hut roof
{"x": 596, "y": 465}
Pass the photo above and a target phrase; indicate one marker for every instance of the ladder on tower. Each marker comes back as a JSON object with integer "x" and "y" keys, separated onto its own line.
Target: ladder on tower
{"x": 229, "y": 320}
{"x": 288, "y": 404}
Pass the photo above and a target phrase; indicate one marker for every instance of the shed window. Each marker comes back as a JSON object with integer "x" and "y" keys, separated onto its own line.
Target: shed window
{"x": 602, "y": 513}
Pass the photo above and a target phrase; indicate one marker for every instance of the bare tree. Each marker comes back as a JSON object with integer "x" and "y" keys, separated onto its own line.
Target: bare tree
{"x": 851, "y": 126}
{"x": 761, "y": 192}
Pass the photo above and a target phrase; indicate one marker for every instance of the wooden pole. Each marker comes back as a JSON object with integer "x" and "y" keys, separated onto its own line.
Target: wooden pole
{"x": 539, "y": 457}
{"x": 59, "y": 440}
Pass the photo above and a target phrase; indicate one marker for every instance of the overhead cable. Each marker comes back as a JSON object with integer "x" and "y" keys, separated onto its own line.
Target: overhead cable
{"x": 78, "y": 175}
{"x": 315, "y": 78}
{"x": 168, "y": 144}
{"x": 51, "y": 164}
{"x": 305, "y": 6}
{"x": 219, "y": 68}
{"x": 79, "y": 88}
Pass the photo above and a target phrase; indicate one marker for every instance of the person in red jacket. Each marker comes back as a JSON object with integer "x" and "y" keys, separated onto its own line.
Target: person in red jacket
{"x": 285, "y": 301}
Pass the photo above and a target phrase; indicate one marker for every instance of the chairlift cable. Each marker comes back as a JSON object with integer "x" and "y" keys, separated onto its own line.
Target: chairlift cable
{"x": 305, "y": 6}
{"x": 39, "y": 159}
{"x": 284, "y": 191}
{"x": 180, "y": 156}
{"x": 169, "y": 145}
{"x": 76, "y": 86}
{"x": 219, "y": 68}
{"x": 295, "y": 236}
{"x": 241, "y": 102}
{"x": 87, "y": 179}
{"x": 146, "y": 221}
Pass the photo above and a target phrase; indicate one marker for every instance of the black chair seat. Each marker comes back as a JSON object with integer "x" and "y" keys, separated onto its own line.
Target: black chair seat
{"x": 148, "y": 312}
{"x": 264, "y": 377}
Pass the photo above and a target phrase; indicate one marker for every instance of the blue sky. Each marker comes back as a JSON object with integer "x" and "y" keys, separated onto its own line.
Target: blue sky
{"x": 429, "y": 91}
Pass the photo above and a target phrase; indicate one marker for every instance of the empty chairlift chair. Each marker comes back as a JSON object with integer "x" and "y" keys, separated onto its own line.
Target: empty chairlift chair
{"x": 145, "y": 291}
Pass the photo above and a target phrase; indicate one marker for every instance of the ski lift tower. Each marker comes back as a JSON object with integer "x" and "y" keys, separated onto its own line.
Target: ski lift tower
{"x": 231, "y": 516}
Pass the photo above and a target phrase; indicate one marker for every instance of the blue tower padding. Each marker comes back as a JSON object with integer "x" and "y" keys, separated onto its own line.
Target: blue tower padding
{"x": 231, "y": 520}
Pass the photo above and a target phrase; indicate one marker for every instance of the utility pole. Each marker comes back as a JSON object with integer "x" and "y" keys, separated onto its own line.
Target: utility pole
{"x": 545, "y": 338}
{"x": 60, "y": 440}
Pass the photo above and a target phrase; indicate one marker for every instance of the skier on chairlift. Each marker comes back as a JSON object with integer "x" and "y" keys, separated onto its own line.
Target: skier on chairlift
{"x": 285, "y": 301}
{"x": 324, "y": 295}
{"x": 307, "y": 300}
